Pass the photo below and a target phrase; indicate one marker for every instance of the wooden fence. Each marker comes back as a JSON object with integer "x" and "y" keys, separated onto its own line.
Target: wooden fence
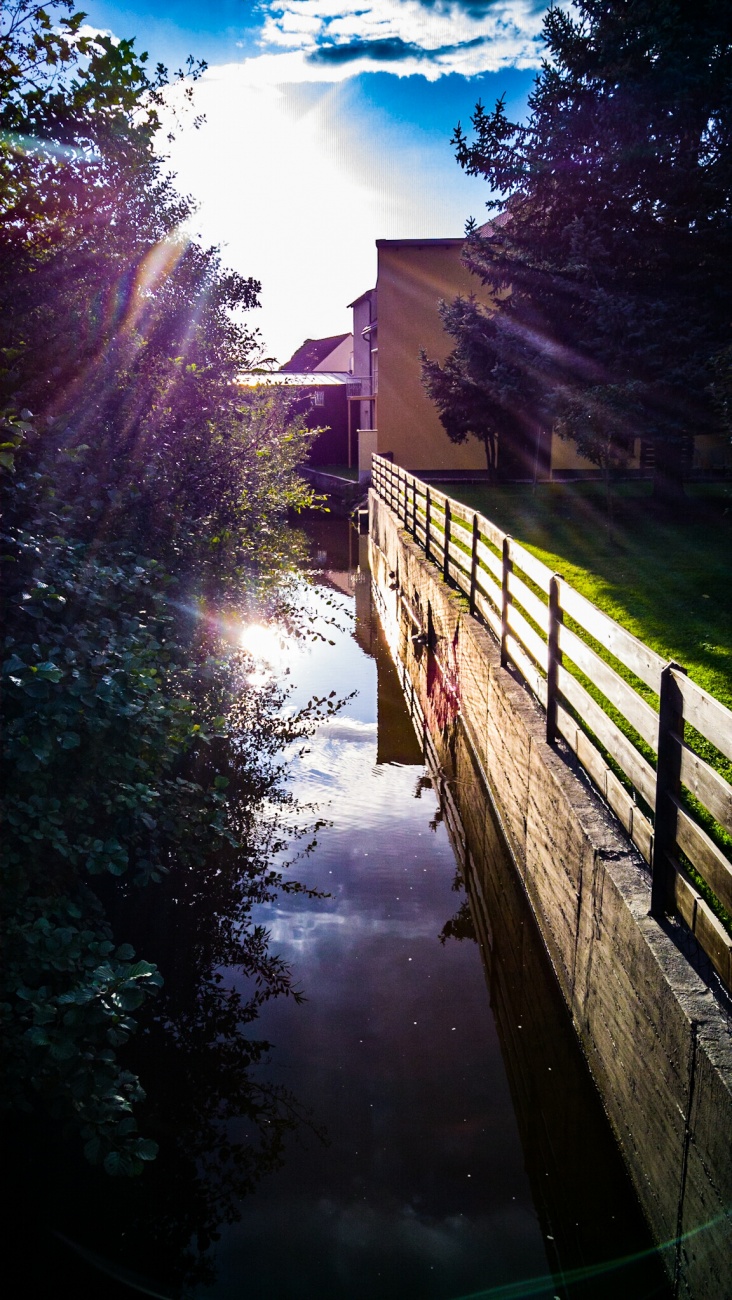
{"x": 639, "y": 727}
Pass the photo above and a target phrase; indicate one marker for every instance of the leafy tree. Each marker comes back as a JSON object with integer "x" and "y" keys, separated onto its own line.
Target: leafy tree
{"x": 140, "y": 489}
{"x": 610, "y": 253}
{"x": 498, "y": 404}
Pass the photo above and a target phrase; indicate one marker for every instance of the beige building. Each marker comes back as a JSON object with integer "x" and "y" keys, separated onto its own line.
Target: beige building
{"x": 414, "y": 276}
{"x": 389, "y": 410}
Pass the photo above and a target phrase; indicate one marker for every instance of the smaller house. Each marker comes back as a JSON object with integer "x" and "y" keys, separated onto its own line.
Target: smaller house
{"x": 334, "y": 354}
{"x": 320, "y": 376}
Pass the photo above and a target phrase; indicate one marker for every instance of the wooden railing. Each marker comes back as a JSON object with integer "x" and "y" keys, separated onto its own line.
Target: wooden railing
{"x": 638, "y": 726}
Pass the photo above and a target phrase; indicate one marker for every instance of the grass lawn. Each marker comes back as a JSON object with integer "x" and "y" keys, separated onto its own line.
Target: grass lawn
{"x": 667, "y": 579}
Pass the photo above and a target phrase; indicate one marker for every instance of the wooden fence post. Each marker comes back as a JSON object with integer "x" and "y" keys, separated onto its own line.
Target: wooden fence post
{"x": 504, "y": 599}
{"x": 414, "y": 509}
{"x": 428, "y": 513}
{"x": 446, "y": 556}
{"x": 668, "y": 785}
{"x": 474, "y": 564}
{"x": 553, "y": 659}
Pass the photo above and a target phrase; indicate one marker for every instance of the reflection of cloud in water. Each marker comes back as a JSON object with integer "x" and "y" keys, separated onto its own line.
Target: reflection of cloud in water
{"x": 338, "y": 771}
{"x": 295, "y": 932}
{"x": 300, "y": 930}
{"x": 351, "y": 729}
{"x": 350, "y": 1238}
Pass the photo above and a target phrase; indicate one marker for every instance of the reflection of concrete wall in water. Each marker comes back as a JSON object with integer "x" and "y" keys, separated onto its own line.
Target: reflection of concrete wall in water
{"x": 658, "y": 1044}
{"x": 396, "y": 738}
{"x": 580, "y": 1186}
{"x": 442, "y": 704}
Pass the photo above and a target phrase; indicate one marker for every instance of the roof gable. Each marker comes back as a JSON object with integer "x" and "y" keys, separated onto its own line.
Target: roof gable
{"x": 313, "y": 353}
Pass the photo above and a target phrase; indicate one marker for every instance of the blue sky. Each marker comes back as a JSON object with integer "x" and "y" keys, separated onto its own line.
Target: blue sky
{"x": 328, "y": 126}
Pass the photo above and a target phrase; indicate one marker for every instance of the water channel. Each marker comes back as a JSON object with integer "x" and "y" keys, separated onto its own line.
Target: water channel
{"x": 452, "y": 1142}
{"x": 467, "y": 1153}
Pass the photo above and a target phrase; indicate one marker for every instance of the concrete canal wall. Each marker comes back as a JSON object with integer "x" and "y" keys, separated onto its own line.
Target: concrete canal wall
{"x": 658, "y": 1043}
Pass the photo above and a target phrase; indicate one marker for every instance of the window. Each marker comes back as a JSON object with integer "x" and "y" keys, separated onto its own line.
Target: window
{"x": 319, "y": 397}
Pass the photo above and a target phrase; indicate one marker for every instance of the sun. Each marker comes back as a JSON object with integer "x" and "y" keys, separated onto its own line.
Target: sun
{"x": 262, "y": 642}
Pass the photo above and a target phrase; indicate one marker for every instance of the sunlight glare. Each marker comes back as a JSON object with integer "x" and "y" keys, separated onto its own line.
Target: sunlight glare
{"x": 263, "y": 643}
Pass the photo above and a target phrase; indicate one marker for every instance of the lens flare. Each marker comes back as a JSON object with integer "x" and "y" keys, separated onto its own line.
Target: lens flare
{"x": 262, "y": 642}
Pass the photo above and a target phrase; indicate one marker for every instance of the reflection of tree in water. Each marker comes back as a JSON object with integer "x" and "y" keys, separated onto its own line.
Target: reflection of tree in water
{"x": 220, "y": 1125}
{"x": 461, "y": 924}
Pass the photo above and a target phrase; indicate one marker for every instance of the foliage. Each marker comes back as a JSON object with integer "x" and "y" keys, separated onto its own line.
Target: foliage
{"x": 141, "y": 493}
{"x": 609, "y": 253}
{"x": 471, "y": 395}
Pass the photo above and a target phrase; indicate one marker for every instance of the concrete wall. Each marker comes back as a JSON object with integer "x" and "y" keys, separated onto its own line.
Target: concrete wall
{"x": 657, "y": 1042}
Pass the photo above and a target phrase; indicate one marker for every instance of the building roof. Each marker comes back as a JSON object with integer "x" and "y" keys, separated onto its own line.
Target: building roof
{"x": 361, "y": 296}
{"x": 313, "y": 353}
{"x": 419, "y": 243}
{"x": 293, "y": 379}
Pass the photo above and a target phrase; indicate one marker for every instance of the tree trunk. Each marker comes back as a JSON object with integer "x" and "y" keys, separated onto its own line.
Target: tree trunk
{"x": 489, "y": 446}
{"x": 668, "y": 472}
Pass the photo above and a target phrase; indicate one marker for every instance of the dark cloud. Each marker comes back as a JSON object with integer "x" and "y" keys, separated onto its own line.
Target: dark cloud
{"x": 390, "y": 49}
{"x": 475, "y": 8}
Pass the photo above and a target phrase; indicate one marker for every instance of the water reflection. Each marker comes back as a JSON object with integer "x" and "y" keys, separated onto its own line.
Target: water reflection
{"x": 452, "y": 1167}
{"x": 465, "y": 1152}
{"x": 421, "y": 1190}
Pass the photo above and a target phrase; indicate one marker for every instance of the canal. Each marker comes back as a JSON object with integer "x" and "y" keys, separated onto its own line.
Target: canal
{"x": 436, "y": 1132}
{"x": 465, "y": 1151}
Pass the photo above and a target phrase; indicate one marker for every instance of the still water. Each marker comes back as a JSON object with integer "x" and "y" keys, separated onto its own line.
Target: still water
{"x": 457, "y": 1161}
{"x": 422, "y": 1126}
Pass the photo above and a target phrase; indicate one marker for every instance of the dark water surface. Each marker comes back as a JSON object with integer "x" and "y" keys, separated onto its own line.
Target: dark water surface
{"x": 455, "y": 1145}
{"x": 458, "y": 1161}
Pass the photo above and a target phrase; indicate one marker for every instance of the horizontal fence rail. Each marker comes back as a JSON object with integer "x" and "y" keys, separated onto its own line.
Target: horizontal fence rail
{"x": 639, "y": 727}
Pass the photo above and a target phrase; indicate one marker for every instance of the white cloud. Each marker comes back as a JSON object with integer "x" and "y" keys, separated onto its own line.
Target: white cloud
{"x": 93, "y": 33}
{"x": 295, "y": 181}
{"x": 333, "y": 40}
{"x": 296, "y": 196}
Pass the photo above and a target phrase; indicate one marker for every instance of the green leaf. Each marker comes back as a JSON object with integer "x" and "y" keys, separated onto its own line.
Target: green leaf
{"x": 146, "y": 1149}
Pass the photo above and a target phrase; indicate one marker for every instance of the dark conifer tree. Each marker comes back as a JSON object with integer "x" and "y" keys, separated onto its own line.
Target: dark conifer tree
{"x": 611, "y": 253}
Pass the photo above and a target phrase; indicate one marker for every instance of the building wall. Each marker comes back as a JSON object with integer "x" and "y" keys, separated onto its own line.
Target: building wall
{"x": 712, "y": 453}
{"x": 330, "y": 447}
{"x": 340, "y": 358}
{"x": 364, "y": 314}
{"x": 363, "y": 310}
{"x": 413, "y": 277}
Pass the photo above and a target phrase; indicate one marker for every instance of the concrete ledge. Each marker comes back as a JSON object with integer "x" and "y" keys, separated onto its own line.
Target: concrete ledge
{"x": 342, "y": 493}
{"x": 658, "y": 1044}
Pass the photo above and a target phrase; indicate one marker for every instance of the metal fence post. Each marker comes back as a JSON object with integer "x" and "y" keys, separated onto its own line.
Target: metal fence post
{"x": 668, "y": 785}
{"x": 553, "y": 658}
{"x": 446, "y": 556}
{"x": 506, "y": 556}
{"x": 474, "y": 564}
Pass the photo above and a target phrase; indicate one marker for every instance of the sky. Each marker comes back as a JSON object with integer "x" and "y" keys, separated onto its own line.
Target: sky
{"x": 327, "y": 126}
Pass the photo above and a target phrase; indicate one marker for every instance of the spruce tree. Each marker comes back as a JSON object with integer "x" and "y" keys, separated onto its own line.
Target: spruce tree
{"x": 611, "y": 253}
